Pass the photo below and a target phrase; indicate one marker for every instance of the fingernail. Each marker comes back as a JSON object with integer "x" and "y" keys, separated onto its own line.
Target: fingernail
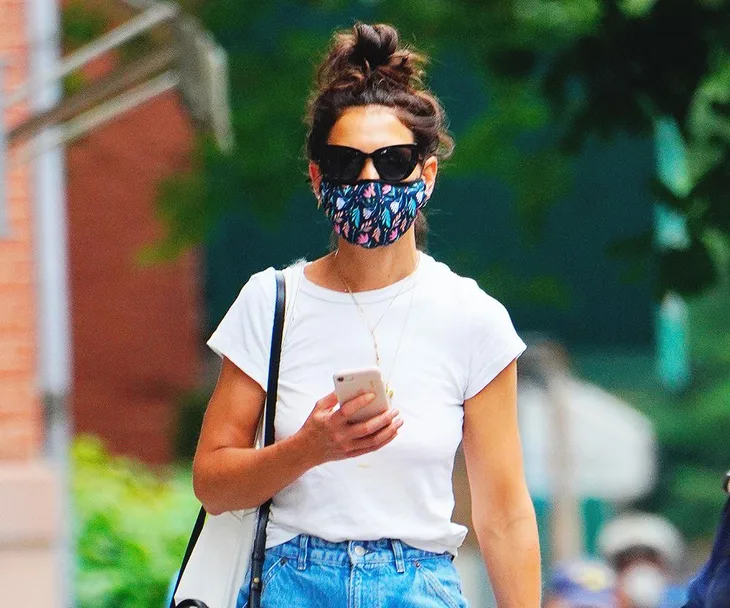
{"x": 370, "y": 397}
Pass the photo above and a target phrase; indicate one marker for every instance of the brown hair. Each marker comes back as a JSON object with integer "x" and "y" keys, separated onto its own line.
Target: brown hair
{"x": 368, "y": 66}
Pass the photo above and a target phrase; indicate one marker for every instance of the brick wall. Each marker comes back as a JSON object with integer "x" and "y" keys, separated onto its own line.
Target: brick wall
{"x": 135, "y": 329}
{"x": 20, "y": 417}
{"x": 29, "y": 513}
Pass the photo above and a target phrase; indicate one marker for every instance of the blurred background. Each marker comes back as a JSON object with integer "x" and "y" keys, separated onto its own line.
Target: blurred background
{"x": 151, "y": 160}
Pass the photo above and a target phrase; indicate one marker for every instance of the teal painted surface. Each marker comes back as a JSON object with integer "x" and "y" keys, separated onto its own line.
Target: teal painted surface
{"x": 672, "y": 315}
{"x": 672, "y": 343}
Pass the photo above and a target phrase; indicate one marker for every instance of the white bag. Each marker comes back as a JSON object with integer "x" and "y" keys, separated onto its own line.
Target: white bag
{"x": 220, "y": 547}
{"x": 219, "y": 560}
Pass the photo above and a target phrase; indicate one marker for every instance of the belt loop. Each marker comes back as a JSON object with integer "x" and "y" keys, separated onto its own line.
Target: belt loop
{"x": 303, "y": 543}
{"x": 400, "y": 565}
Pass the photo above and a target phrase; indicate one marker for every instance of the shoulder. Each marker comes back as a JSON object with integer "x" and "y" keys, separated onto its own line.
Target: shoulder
{"x": 262, "y": 284}
{"x": 256, "y": 292}
{"x": 483, "y": 328}
{"x": 261, "y": 281}
{"x": 464, "y": 293}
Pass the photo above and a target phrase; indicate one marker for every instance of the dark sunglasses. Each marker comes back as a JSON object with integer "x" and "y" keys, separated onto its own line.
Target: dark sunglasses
{"x": 344, "y": 164}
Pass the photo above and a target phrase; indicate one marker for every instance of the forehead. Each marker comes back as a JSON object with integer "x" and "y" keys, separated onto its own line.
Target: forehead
{"x": 368, "y": 128}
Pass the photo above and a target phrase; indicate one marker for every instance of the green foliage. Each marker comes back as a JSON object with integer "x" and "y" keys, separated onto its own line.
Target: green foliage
{"x": 80, "y": 24}
{"x": 708, "y": 411}
{"x": 693, "y": 428}
{"x": 131, "y": 525}
{"x": 269, "y": 83}
{"x": 185, "y": 205}
{"x": 694, "y": 500}
{"x": 643, "y": 62}
{"x": 73, "y": 83}
{"x": 600, "y": 68}
{"x": 688, "y": 270}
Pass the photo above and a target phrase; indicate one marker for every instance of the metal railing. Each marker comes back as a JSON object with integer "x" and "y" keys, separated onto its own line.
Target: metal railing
{"x": 192, "y": 63}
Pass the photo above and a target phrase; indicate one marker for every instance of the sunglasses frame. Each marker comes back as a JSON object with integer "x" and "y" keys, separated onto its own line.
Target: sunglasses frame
{"x": 375, "y": 155}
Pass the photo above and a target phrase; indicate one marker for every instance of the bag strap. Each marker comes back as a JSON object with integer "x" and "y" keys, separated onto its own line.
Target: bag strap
{"x": 259, "y": 549}
{"x": 197, "y": 529}
{"x": 277, "y": 335}
{"x": 259, "y": 544}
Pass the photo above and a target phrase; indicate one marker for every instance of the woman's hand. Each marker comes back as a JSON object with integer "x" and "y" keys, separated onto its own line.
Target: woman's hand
{"x": 327, "y": 435}
{"x": 229, "y": 474}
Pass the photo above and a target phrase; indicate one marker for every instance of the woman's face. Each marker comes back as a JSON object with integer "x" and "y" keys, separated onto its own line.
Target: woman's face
{"x": 368, "y": 128}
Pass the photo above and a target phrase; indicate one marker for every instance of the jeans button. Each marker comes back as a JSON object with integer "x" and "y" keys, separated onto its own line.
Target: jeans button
{"x": 359, "y": 550}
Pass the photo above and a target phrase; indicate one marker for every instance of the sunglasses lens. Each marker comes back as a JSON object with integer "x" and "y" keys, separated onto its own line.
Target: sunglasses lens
{"x": 340, "y": 164}
{"x": 344, "y": 165}
{"x": 395, "y": 163}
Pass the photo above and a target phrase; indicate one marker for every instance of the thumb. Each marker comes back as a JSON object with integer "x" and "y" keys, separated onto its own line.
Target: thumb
{"x": 326, "y": 403}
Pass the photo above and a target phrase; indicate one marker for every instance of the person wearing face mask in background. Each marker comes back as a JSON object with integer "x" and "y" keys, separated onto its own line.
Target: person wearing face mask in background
{"x": 361, "y": 511}
{"x": 647, "y": 553}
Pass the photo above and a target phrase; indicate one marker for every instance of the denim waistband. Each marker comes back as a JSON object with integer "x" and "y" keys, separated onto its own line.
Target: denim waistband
{"x": 311, "y": 549}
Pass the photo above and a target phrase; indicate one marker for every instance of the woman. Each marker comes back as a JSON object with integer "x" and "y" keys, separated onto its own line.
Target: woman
{"x": 361, "y": 512}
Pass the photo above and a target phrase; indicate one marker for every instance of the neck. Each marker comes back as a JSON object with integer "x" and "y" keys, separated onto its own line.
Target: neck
{"x": 368, "y": 269}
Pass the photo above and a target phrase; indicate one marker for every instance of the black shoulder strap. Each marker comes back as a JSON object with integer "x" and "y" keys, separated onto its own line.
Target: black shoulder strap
{"x": 197, "y": 529}
{"x": 259, "y": 544}
{"x": 259, "y": 549}
{"x": 277, "y": 335}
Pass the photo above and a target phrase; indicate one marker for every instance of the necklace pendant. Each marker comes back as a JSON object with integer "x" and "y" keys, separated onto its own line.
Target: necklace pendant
{"x": 389, "y": 392}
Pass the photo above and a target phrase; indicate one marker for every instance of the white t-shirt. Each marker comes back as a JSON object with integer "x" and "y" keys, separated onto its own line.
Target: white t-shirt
{"x": 441, "y": 341}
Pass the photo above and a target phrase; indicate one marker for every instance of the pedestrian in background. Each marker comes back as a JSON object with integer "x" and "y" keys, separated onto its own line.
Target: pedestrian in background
{"x": 647, "y": 552}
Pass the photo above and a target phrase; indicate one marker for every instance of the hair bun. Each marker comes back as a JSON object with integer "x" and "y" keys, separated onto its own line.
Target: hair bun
{"x": 370, "y": 53}
{"x": 373, "y": 45}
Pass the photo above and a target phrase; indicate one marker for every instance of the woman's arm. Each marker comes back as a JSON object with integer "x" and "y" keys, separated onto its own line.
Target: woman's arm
{"x": 502, "y": 512}
{"x": 229, "y": 474}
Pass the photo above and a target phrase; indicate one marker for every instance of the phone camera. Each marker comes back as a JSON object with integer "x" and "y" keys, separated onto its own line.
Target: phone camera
{"x": 340, "y": 378}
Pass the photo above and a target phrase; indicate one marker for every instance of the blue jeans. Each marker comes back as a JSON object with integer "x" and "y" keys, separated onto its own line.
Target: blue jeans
{"x": 308, "y": 572}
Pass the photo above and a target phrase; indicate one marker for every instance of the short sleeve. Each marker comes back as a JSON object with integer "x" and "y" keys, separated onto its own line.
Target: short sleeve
{"x": 244, "y": 333}
{"x": 494, "y": 342}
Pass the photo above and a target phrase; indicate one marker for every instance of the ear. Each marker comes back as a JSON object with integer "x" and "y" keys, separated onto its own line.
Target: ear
{"x": 430, "y": 170}
{"x": 315, "y": 177}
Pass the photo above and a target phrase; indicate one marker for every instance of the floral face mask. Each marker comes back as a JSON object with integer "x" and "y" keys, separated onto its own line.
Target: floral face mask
{"x": 372, "y": 213}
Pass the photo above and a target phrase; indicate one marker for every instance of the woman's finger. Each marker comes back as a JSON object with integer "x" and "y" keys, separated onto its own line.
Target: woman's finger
{"x": 368, "y": 450}
{"x": 351, "y": 407}
{"x": 326, "y": 403}
{"x": 373, "y": 425}
{"x": 378, "y": 440}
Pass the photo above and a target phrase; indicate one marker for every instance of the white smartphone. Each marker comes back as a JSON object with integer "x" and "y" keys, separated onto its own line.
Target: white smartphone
{"x": 351, "y": 383}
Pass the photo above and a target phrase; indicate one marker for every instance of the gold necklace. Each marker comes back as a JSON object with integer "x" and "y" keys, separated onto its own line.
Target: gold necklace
{"x": 371, "y": 330}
